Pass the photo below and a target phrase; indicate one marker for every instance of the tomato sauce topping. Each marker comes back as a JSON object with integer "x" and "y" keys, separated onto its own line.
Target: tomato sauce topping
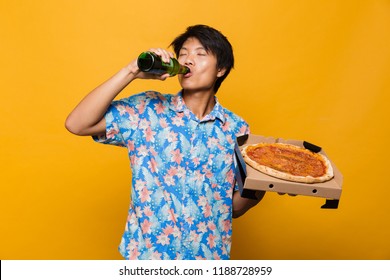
{"x": 297, "y": 162}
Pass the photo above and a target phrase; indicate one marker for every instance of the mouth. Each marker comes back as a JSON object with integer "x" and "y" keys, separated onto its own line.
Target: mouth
{"x": 189, "y": 74}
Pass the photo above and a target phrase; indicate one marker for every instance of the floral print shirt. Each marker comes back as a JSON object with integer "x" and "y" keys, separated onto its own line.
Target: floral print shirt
{"x": 182, "y": 176}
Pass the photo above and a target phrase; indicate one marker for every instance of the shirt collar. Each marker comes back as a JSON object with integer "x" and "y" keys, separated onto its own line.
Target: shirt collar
{"x": 177, "y": 104}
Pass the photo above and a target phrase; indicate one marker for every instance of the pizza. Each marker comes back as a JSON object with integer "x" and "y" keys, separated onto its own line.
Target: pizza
{"x": 288, "y": 162}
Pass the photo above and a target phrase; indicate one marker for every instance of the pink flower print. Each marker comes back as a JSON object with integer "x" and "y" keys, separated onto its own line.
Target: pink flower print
{"x": 207, "y": 210}
{"x": 230, "y": 176}
{"x": 229, "y": 139}
{"x": 196, "y": 161}
{"x": 207, "y": 172}
{"x": 228, "y": 159}
{"x": 159, "y": 108}
{"x": 202, "y": 201}
{"x": 133, "y": 160}
{"x": 156, "y": 255}
{"x": 157, "y": 182}
{"x": 202, "y": 227}
{"x": 140, "y": 185}
{"x": 130, "y": 110}
{"x": 163, "y": 239}
{"x": 176, "y": 232}
{"x": 226, "y": 224}
{"x": 211, "y": 225}
{"x": 220, "y": 147}
{"x": 145, "y": 226}
{"x": 212, "y": 142}
{"x": 148, "y": 243}
{"x": 168, "y": 179}
{"x": 210, "y": 159}
{"x": 141, "y": 106}
{"x": 223, "y": 208}
{"x": 145, "y": 195}
{"x": 226, "y": 126}
{"x": 211, "y": 240}
{"x": 176, "y": 156}
{"x": 198, "y": 176}
{"x": 163, "y": 123}
{"x": 121, "y": 109}
{"x": 152, "y": 164}
{"x": 149, "y": 134}
{"x": 176, "y": 100}
{"x": 134, "y": 120}
{"x": 181, "y": 172}
{"x": 151, "y": 94}
{"x": 172, "y": 215}
{"x": 216, "y": 256}
{"x": 187, "y": 113}
{"x": 134, "y": 254}
{"x": 194, "y": 236}
{"x": 130, "y": 145}
{"x": 224, "y": 251}
{"x": 217, "y": 196}
{"x": 133, "y": 244}
{"x": 168, "y": 230}
{"x": 172, "y": 171}
{"x": 244, "y": 130}
{"x": 229, "y": 192}
{"x": 167, "y": 195}
{"x": 190, "y": 220}
{"x": 178, "y": 121}
{"x": 148, "y": 212}
{"x": 142, "y": 150}
{"x": 144, "y": 124}
{"x": 172, "y": 136}
{"x": 226, "y": 238}
{"x": 113, "y": 131}
{"x": 152, "y": 152}
{"x": 162, "y": 97}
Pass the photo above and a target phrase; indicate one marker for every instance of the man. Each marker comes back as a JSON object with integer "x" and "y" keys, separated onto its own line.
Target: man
{"x": 181, "y": 149}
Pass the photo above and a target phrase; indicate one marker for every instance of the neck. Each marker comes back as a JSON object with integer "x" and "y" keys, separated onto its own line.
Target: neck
{"x": 200, "y": 103}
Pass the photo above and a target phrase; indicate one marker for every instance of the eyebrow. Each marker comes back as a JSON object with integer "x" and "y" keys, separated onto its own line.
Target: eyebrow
{"x": 198, "y": 48}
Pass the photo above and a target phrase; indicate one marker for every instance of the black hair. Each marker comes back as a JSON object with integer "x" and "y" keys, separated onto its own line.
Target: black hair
{"x": 213, "y": 41}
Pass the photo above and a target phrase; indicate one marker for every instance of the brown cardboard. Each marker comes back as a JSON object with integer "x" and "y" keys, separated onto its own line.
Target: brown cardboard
{"x": 256, "y": 180}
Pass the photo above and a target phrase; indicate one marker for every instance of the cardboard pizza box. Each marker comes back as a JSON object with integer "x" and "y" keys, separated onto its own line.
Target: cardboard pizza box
{"x": 251, "y": 180}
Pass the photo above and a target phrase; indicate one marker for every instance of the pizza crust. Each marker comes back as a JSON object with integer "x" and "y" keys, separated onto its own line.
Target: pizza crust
{"x": 286, "y": 176}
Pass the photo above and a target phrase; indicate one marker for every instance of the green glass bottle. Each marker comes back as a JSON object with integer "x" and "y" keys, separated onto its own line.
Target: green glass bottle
{"x": 152, "y": 63}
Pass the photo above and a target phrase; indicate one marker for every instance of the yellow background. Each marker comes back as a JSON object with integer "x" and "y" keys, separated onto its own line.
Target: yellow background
{"x": 312, "y": 70}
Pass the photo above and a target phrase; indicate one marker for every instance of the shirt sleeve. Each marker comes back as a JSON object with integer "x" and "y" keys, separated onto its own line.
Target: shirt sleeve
{"x": 121, "y": 121}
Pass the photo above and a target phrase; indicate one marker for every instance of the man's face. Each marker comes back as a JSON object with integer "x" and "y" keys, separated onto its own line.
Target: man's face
{"x": 203, "y": 66}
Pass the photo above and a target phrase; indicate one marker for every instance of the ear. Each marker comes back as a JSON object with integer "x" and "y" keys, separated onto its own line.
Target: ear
{"x": 221, "y": 72}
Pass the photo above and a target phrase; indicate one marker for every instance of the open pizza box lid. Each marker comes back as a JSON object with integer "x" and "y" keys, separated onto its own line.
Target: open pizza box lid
{"x": 250, "y": 180}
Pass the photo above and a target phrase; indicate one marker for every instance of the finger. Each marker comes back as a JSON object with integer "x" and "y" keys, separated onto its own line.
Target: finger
{"x": 164, "y": 54}
{"x": 152, "y": 76}
{"x": 164, "y": 77}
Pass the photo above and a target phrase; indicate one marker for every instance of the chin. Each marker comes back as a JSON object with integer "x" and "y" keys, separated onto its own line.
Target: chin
{"x": 188, "y": 88}
{"x": 192, "y": 87}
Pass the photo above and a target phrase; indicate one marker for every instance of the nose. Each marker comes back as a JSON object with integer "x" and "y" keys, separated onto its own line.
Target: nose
{"x": 189, "y": 60}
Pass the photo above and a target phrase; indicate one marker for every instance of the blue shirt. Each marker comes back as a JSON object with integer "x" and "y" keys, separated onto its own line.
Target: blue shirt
{"x": 182, "y": 176}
